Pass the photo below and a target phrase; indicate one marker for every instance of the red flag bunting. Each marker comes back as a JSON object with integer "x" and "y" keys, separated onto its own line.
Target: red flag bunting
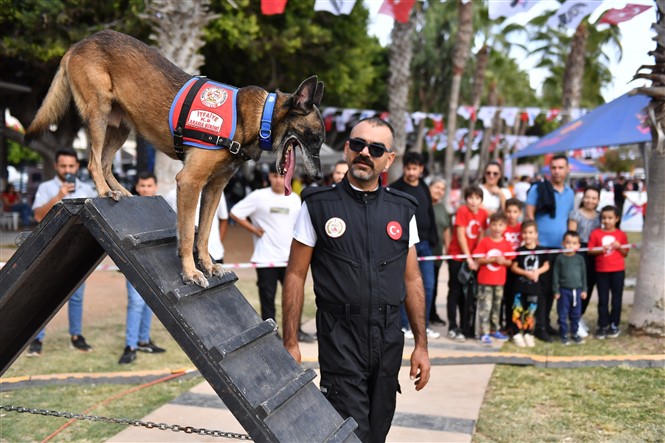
{"x": 616, "y": 16}
{"x": 397, "y": 9}
{"x": 272, "y": 7}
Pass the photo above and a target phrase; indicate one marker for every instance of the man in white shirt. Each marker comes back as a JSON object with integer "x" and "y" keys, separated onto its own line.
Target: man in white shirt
{"x": 63, "y": 186}
{"x": 270, "y": 216}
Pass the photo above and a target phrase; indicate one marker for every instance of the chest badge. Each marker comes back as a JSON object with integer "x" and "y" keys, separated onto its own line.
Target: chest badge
{"x": 394, "y": 230}
{"x": 335, "y": 227}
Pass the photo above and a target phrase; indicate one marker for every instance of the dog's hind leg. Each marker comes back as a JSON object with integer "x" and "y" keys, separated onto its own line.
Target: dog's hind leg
{"x": 210, "y": 198}
{"x": 115, "y": 137}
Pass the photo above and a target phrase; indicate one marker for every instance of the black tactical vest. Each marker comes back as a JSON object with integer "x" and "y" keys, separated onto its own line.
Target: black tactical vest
{"x": 362, "y": 244}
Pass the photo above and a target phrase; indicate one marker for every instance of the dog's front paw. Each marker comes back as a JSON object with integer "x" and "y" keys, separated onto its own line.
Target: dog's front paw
{"x": 195, "y": 277}
{"x": 218, "y": 270}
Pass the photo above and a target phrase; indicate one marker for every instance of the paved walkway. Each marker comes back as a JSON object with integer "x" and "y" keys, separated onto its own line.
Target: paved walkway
{"x": 445, "y": 411}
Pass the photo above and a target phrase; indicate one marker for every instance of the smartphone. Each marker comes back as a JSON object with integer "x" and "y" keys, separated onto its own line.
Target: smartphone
{"x": 70, "y": 178}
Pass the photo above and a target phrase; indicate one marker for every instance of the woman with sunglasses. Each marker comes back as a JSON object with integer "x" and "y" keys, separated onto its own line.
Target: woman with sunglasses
{"x": 494, "y": 196}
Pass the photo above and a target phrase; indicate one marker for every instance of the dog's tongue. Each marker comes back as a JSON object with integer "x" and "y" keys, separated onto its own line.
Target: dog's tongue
{"x": 290, "y": 166}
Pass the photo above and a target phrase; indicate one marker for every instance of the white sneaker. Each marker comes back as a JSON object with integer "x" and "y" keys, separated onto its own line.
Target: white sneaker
{"x": 582, "y": 332}
{"x": 518, "y": 339}
{"x": 529, "y": 340}
{"x": 431, "y": 334}
{"x": 408, "y": 333}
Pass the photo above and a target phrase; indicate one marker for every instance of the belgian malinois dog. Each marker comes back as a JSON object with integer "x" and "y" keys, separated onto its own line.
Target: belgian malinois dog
{"x": 119, "y": 83}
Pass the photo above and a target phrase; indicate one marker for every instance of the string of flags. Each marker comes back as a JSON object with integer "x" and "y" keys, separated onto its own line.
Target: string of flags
{"x": 569, "y": 14}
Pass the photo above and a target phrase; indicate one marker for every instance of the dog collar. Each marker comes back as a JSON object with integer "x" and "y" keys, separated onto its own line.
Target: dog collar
{"x": 265, "y": 133}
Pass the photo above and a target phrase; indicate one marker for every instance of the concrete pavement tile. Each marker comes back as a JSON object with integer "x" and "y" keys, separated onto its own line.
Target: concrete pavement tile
{"x": 213, "y": 419}
{"x": 400, "y": 434}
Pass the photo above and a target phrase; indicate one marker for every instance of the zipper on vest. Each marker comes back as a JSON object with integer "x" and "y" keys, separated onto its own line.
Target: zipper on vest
{"x": 371, "y": 271}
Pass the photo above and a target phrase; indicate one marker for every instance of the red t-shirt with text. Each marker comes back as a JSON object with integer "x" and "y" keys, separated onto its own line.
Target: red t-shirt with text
{"x": 473, "y": 225}
{"x": 491, "y": 273}
{"x": 513, "y": 235}
{"x": 610, "y": 261}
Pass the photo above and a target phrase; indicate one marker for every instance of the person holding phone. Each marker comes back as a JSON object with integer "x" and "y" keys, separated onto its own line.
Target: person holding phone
{"x": 64, "y": 185}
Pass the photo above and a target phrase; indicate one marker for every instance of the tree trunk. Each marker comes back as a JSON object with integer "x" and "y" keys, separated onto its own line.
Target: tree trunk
{"x": 572, "y": 78}
{"x": 401, "y": 52}
{"x": 648, "y": 313}
{"x": 478, "y": 82}
{"x": 492, "y": 100}
{"x": 178, "y": 32}
{"x": 460, "y": 57}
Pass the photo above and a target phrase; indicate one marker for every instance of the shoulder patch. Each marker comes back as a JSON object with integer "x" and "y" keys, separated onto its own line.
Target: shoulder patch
{"x": 398, "y": 193}
{"x": 313, "y": 190}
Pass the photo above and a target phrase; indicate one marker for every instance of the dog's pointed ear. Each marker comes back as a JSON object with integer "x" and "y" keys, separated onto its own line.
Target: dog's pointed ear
{"x": 304, "y": 97}
{"x": 318, "y": 94}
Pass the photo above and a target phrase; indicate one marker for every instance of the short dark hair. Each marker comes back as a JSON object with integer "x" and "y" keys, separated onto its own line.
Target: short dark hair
{"x": 611, "y": 208}
{"x": 498, "y": 216}
{"x": 572, "y": 234}
{"x": 514, "y": 202}
{"x": 528, "y": 224}
{"x": 376, "y": 121}
{"x": 473, "y": 190}
{"x": 339, "y": 162}
{"x": 413, "y": 158}
{"x": 559, "y": 157}
{"x": 146, "y": 175}
{"x": 67, "y": 152}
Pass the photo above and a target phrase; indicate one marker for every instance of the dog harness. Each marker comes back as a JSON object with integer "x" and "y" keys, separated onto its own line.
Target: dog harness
{"x": 203, "y": 115}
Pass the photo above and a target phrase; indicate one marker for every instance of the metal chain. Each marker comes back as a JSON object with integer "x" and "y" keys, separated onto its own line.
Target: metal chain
{"x": 126, "y": 421}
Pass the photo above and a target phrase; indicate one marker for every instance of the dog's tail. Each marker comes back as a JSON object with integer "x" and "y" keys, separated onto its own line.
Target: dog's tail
{"x": 53, "y": 107}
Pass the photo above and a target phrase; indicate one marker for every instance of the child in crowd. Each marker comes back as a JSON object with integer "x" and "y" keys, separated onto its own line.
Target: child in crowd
{"x": 513, "y": 235}
{"x": 527, "y": 269}
{"x": 492, "y": 277}
{"x": 569, "y": 287}
{"x": 610, "y": 270}
{"x": 469, "y": 227}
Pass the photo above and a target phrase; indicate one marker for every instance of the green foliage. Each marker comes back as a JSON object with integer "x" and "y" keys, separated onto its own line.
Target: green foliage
{"x": 618, "y": 160}
{"x": 18, "y": 154}
{"x": 246, "y": 47}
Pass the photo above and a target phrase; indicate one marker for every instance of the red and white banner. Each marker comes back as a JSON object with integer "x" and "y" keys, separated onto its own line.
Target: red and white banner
{"x": 273, "y": 7}
{"x": 509, "y": 8}
{"x": 397, "y": 9}
{"x": 616, "y": 16}
{"x": 335, "y": 7}
{"x": 571, "y": 13}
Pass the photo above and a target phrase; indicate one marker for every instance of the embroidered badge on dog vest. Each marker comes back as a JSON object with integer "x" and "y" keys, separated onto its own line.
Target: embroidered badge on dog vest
{"x": 213, "y": 111}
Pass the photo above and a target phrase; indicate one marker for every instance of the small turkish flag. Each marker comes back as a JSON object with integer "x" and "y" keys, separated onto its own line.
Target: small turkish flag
{"x": 616, "y": 16}
{"x": 272, "y": 7}
{"x": 397, "y": 9}
{"x": 394, "y": 230}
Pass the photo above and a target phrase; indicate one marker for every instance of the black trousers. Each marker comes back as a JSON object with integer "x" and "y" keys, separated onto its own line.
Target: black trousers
{"x": 610, "y": 312}
{"x": 360, "y": 355}
{"x": 267, "y": 279}
{"x": 545, "y": 299}
{"x": 455, "y": 296}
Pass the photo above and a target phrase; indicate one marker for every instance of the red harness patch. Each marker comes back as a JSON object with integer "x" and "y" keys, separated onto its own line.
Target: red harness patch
{"x": 212, "y": 111}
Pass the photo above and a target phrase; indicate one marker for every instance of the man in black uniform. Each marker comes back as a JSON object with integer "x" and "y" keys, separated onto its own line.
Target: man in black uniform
{"x": 359, "y": 239}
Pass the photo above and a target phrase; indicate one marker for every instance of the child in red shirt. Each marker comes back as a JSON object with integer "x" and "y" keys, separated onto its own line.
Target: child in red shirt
{"x": 610, "y": 270}
{"x": 469, "y": 228}
{"x": 492, "y": 277}
{"x": 513, "y": 235}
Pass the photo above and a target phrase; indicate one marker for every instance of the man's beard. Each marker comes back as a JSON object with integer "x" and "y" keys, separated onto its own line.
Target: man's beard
{"x": 361, "y": 175}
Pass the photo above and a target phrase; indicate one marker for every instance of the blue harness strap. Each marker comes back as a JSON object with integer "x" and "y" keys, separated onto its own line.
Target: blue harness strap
{"x": 265, "y": 133}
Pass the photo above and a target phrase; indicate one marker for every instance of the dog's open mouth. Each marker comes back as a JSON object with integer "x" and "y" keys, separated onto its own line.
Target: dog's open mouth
{"x": 287, "y": 164}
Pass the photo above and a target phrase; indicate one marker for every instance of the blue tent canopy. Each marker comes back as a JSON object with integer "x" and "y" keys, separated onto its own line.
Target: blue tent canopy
{"x": 619, "y": 122}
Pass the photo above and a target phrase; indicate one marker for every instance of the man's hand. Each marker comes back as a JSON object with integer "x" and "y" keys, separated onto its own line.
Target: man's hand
{"x": 420, "y": 368}
{"x": 295, "y": 352}
{"x": 66, "y": 189}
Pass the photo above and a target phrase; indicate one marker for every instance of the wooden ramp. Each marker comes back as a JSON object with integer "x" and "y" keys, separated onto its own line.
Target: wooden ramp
{"x": 239, "y": 354}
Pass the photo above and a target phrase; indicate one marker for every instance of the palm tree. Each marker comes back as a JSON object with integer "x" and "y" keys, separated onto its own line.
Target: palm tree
{"x": 460, "y": 57}
{"x": 648, "y": 313}
{"x": 178, "y": 31}
{"x": 401, "y": 53}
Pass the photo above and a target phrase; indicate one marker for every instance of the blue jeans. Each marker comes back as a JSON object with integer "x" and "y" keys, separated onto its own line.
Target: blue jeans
{"x": 423, "y": 249}
{"x": 569, "y": 306}
{"x": 139, "y": 318}
{"x": 75, "y": 311}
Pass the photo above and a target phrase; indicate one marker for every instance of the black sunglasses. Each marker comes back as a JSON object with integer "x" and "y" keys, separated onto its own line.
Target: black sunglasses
{"x": 357, "y": 145}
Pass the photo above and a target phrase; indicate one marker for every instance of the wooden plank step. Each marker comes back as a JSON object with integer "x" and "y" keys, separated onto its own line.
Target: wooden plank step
{"x": 150, "y": 238}
{"x": 292, "y": 388}
{"x": 233, "y": 344}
